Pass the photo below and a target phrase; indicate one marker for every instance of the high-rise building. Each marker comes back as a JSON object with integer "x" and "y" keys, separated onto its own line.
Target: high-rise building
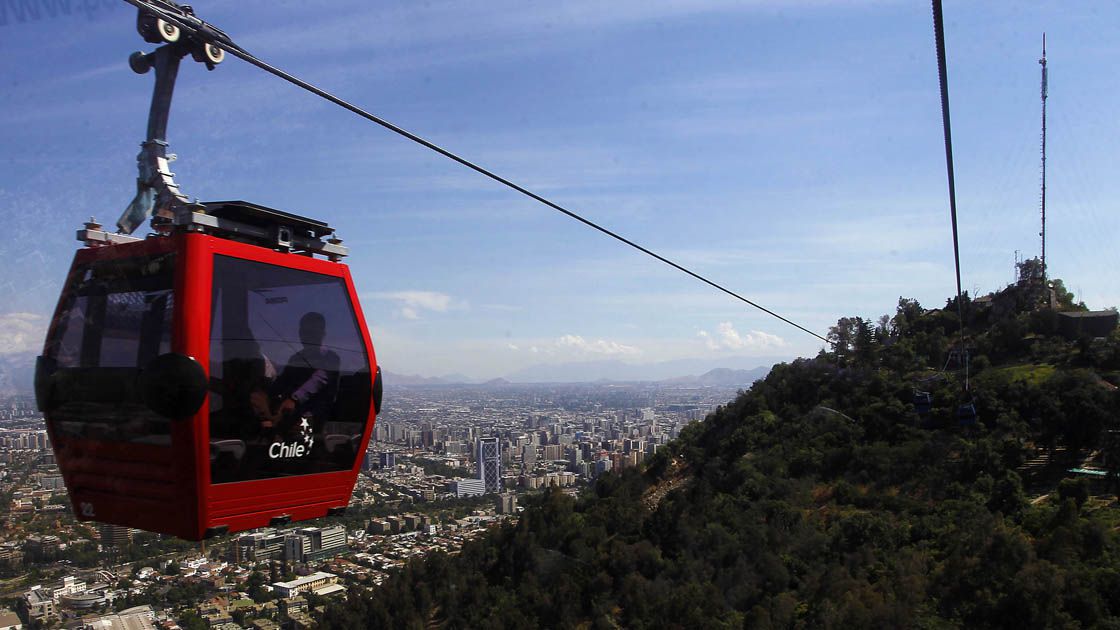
{"x": 490, "y": 463}
{"x": 309, "y": 544}
{"x": 575, "y": 459}
{"x": 529, "y": 455}
{"x": 266, "y": 544}
{"x": 507, "y": 503}
{"x": 602, "y": 466}
{"x": 296, "y": 547}
{"x": 387, "y": 460}
{"x": 115, "y": 535}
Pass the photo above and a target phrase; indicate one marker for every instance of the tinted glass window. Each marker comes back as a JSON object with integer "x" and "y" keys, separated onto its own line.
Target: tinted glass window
{"x": 115, "y": 318}
{"x": 290, "y": 380}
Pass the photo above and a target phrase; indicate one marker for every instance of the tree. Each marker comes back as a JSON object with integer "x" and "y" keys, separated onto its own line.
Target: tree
{"x": 1076, "y": 489}
{"x": 883, "y": 328}
{"x": 1030, "y": 270}
{"x": 255, "y": 587}
{"x": 906, "y": 315}
{"x": 842, "y": 336}
{"x": 815, "y": 499}
{"x": 864, "y": 344}
{"x": 190, "y": 620}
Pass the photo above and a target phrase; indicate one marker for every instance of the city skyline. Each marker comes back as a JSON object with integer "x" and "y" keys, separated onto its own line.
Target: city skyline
{"x": 447, "y": 465}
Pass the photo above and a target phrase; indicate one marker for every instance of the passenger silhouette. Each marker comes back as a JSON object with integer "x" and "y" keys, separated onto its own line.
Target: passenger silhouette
{"x": 309, "y": 382}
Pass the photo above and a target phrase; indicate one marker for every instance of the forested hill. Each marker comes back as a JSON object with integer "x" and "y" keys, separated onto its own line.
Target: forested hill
{"x": 821, "y": 498}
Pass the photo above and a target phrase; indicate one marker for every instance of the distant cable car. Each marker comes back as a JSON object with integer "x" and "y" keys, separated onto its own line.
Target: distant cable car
{"x": 217, "y": 375}
{"x": 923, "y": 402}
{"x": 193, "y": 384}
{"x": 966, "y": 414}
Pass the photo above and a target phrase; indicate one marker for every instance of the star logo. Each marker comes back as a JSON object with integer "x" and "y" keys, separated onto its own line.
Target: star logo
{"x": 305, "y": 433}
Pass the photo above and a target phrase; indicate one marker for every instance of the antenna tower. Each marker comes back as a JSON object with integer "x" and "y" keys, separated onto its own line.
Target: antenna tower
{"x": 1042, "y": 62}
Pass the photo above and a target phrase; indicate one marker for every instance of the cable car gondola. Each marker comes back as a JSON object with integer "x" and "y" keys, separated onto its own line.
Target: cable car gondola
{"x": 966, "y": 414}
{"x": 923, "y": 402}
{"x": 194, "y": 384}
{"x": 215, "y": 376}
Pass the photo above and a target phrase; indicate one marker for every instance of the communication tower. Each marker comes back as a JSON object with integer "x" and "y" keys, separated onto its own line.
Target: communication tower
{"x": 1042, "y": 234}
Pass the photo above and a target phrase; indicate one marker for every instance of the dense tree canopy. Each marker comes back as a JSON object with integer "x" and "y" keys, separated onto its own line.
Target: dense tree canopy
{"x": 822, "y": 498}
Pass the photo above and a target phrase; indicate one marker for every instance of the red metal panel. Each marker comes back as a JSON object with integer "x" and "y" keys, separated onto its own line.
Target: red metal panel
{"x": 279, "y": 495}
{"x": 126, "y": 484}
{"x": 130, "y": 484}
{"x": 253, "y": 520}
{"x": 192, "y": 336}
{"x": 271, "y": 257}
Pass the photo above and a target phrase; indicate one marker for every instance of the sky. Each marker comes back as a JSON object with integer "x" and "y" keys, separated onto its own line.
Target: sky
{"x": 791, "y": 151}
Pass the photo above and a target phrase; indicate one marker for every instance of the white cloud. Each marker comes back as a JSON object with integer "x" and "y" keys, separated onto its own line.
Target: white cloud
{"x": 598, "y": 346}
{"x": 727, "y": 338}
{"x": 513, "y": 347}
{"x": 412, "y": 303}
{"x": 22, "y": 332}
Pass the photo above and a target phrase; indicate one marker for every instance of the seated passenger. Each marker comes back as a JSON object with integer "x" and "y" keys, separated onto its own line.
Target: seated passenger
{"x": 308, "y": 384}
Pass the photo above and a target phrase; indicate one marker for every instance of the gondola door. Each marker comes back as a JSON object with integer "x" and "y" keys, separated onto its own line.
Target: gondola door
{"x": 290, "y": 405}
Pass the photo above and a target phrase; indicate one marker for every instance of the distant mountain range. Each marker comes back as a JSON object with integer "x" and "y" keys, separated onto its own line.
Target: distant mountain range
{"x": 393, "y": 379}
{"x": 613, "y": 370}
{"x": 722, "y": 377}
{"x": 681, "y": 372}
{"x": 17, "y": 372}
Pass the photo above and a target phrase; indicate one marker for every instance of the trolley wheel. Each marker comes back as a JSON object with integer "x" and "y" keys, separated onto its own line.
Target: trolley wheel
{"x": 139, "y": 62}
{"x": 214, "y": 54}
{"x": 168, "y": 32}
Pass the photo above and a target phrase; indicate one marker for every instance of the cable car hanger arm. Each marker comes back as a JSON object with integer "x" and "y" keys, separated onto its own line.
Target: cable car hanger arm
{"x": 171, "y": 13}
{"x": 156, "y": 190}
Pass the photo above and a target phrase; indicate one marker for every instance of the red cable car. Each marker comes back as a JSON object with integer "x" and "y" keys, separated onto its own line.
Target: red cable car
{"x": 217, "y": 375}
{"x": 193, "y": 384}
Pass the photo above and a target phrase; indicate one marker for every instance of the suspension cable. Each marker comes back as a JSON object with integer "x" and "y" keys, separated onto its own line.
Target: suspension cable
{"x": 219, "y": 39}
{"x": 942, "y": 77}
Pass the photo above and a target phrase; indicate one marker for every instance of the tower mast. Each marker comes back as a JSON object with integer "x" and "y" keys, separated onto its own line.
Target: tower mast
{"x": 1042, "y": 62}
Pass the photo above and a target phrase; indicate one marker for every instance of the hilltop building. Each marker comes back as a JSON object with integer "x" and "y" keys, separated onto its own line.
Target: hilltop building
{"x": 1076, "y": 324}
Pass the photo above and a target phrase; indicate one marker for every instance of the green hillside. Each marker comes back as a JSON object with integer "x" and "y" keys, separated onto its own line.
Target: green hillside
{"x": 821, "y": 498}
